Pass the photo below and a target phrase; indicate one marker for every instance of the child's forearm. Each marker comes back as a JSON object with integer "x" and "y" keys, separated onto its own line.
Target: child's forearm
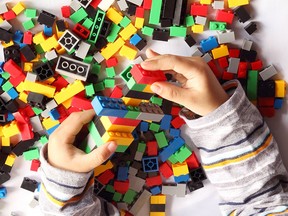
{"x": 240, "y": 157}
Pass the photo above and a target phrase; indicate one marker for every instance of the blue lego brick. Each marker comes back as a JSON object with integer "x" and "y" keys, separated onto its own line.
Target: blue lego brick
{"x": 48, "y": 31}
{"x": 155, "y": 190}
{"x": 13, "y": 93}
{"x": 54, "y": 114}
{"x": 278, "y": 103}
{"x": 174, "y": 145}
{"x": 1, "y": 81}
{"x": 165, "y": 122}
{"x": 122, "y": 174}
{"x": 135, "y": 135}
{"x": 51, "y": 130}
{"x": 18, "y": 36}
{"x": 182, "y": 178}
{"x": 135, "y": 39}
{"x": 150, "y": 164}
{"x": 209, "y": 44}
{"x": 3, "y": 192}
{"x": 144, "y": 126}
{"x": 10, "y": 117}
{"x": 174, "y": 132}
{"x": 105, "y": 106}
{"x": 1, "y": 67}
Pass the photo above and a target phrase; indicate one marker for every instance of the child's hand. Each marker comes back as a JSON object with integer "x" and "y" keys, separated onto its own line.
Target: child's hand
{"x": 64, "y": 155}
{"x": 200, "y": 92}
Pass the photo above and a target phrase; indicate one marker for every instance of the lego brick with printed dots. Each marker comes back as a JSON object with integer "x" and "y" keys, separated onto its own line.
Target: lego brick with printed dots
{"x": 150, "y": 164}
{"x": 68, "y": 40}
{"x": 12, "y": 52}
{"x": 197, "y": 174}
{"x": 44, "y": 71}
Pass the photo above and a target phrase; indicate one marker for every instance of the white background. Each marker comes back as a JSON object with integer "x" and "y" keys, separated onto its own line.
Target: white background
{"x": 271, "y": 44}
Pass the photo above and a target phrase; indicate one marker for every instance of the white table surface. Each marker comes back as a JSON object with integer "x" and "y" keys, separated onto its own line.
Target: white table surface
{"x": 271, "y": 45}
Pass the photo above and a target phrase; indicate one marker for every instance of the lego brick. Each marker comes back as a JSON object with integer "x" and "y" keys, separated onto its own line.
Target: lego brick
{"x": 280, "y": 88}
{"x": 220, "y": 52}
{"x": 224, "y": 16}
{"x": 226, "y": 36}
{"x": 242, "y": 14}
{"x": 268, "y": 72}
{"x": 46, "y": 18}
{"x": 251, "y": 28}
{"x": 252, "y": 85}
{"x": 68, "y": 41}
{"x": 68, "y": 92}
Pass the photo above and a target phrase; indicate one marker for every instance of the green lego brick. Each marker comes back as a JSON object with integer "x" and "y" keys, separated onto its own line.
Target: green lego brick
{"x": 125, "y": 22}
{"x": 44, "y": 60}
{"x": 79, "y": 15}
{"x": 121, "y": 148}
{"x": 95, "y": 134}
{"x": 7, "y": 86}
{"x": 5, "y": 75}
{"x": 31, "y": 154}
{"x": 141, "y": 147}
{"x": 29, "y": 24}
{"x": 43, "y": 140}
{"x": 96, "y": 68}
{"x": 109, "y": 83}
{"x": 125, "y": 74}
{"x": 89, "y": 90}
{"x": 252, "y": 85}
{"x": 154, "y": 127}
{"x": 147, "y": 31}
{"x": 173, "y": 159}
{"x": 38, "y": 49}
{"x": 37, "y": 111}
{"x": 133, "y": 112}
{"x": 99, "y": 86}
{"x": 161, "y": 139}
{"x": 30, "y": 13}
{"x": 129, "y": 196}
{"x": 71, "y": 52}
{"x": 87, "y": 23}
{"x": 217, "y": 25}
{"x": 155, "y": 12}
{"x": 133, "y": 85}
{"x": 97, "y": 26}
{"x": 88, "y": 59}
{"x": 110, "y": 72}
{"x": 84, "y": 147}
{"x": 110, "y": 188}
{"x": 189, "y": 20}
{"x": 117, "y": 197}
{"x": 156, "y": 100}
{"x": 178, "y": 31}
{"x": 114, "y": 30}
{"x": 182, "y": 154}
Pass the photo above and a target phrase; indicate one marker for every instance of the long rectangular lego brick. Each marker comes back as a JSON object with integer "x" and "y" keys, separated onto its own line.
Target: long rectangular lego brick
{"x": 68, "y": 92}
{"x": 40, "y": 88}
{"x": 136, "y": 94}
{"x": 97, "y": 26}
{"x": 143, "y": 198}
{"x": 142, "y": 76}
{"x": 155, "y": 12}
{"x": 109, "y": 126}
{"x": 124, "y": 121}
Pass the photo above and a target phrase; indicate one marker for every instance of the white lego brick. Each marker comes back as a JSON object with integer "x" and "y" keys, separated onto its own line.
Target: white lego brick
{"x": 51, "y": 104}
{"x": 136, "y": 183}
{"x": 51, "y": 55}
{"x": 75, "y": 5}
{"x": 224, "y": 37}
{"x": 5, "y": 96}
{"x": 207, "y": 57}
{"x": 105, "y": 4}
{"x": 33, "y": 203}
{"x": 36, "y": 124}
{"x": 31, "y": 77}
{"x": 83, "y": 49}
{"x": 138, "y": 60}
{"x": 69, "y": 79}
{"x": 5, "y": 25}
{"x": 98, "y": 57}
{"x": 90, "y": 142}
{"x": 197, "y": 52}
{"x": 136, "y": 2}
{"x": 122, "y": 4}
{"x": 84, "y": 3}
{"x": 268, "y": 72}
{"x": 201, "y": 20}
{"x": 3, "y": 8}
{"x": 132, "y": 171}
{"x": 247, "y": 45}
{"x": 138, "y": 156}
{"x": 45, "y": 113}
{"x": 123, "y": 206}
{"x": 143, "y": 198}
{"x": 233, "y": 65}
{"x": 218, "y": 5}
{"x": 179, "y": 190}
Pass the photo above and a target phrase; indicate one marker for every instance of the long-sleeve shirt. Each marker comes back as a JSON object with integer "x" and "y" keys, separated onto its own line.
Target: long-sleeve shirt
{"x": 238, "y": 153}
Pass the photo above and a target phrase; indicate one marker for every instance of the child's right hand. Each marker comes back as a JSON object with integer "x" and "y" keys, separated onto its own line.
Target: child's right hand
{"x": 200, "y": 92}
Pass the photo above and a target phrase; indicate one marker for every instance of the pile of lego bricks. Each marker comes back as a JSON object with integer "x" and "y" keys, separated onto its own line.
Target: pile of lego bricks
{"x": 48, "y": 75}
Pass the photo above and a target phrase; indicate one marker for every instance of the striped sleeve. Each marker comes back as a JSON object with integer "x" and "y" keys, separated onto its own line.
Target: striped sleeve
{"x": 241, "y": 157}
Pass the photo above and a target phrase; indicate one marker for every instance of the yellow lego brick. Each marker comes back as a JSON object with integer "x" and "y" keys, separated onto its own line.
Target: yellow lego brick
{"x": 49, "y": 81}
{"x": 67, "y": 103}
{"x": 40, "y": 88}
{"x": 20, "y": 87}
{"x": 128, "y": 52}
{"x": 180, "y": 169}
{"x": 131, "y": 101}
{"x": 60, "y": 50}
{"x": 139, "y": 22}
{"x": 68, "y": 92}
{"x": 50, "y": 43}
{"x": 114, "y": 15}
{"x": 280, "y": 88}
{"x": 18, "y": 8}
{"x": 128, "y": 31}
{"x": 119, "y": 137}
{"x": 208, "y": 2}
{"x": 197, "y": 29}
{"x": 23, "y": 97}
{"x": 220, "y": 51}
{"x": 112, "y": 48}
{"x": 148, "y": 89}
{"x": 10, "y": 129}
{"x": 39, "y": 38}
{"x": 28, "y": 66}
{"x": 49, "y": 123}
{"x": 113, "y": 127}
{"x": 1, "y": 133}
{"x": 5, "y": 45}
{"x": 37, "y": 59}
{"x": 236, "y": 3}
{"x": 158, "y": 199}
{"x": 157, "y": 213}
{"x": 5, "y": 141}
{"x": 1, "y": 19}
{"x": 10, "y": 160}
{"x": 102, "y": 168}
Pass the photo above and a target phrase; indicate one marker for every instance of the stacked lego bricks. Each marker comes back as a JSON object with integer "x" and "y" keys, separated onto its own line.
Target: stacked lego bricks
{"x": 48, "y": 75}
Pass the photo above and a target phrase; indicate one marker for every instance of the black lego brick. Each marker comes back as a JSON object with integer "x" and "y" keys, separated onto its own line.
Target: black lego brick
{"x": 197, "y": 174}
{"x": 61, "y": 25}
{"x": 266, "y": 88}
{"x": 29, "y": 184}
{"x": 249, "y": 56}
{"x": 242, "y": 14}
{"x": 37, "y": 100}
{"x": 46, "y": 18}
{"x": 193, "y": 186}
{"x": 5, "y": 35}
{"x": 4, "y": 177}
{"x": 168, "y": 9}
{"x": 190, "y": 40}
{"x": 44, "y": 71}
{"x": 157, "y": 207}
{"x": 28, "y": 52}
{"x": 12, "y": 52}
{"x": 25, "y": 145}
{"x": 161, "y": 34}
{"x": 141, "y": 45}
{"x": 251, "y": 28}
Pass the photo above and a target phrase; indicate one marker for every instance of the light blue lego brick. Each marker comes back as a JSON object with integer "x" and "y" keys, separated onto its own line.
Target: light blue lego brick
{"x": 144, "y": 126}
{"x": 51, "y": 130}
{"x": 182, "y": 178}
{"x": 105, "y": 106}
{"x": 13, "y": 93}
{"x": 155, "y": 190}
{"x": 174, "y": 132}
{"x": 135, "y": 39}
{"x": 3, "y": 192}
{"x": 1, "y": 81}
{"x": 165, "y": 122}
{"x": 209, "y": 44}
{"x": 1, "y": 67}
{"x": 122, "y": 174}
{"x": 54, "y": 114}
{"x": 174, "y": 145}
{"x": 10, "y": 117}
{"x": 48, "y": 31}
{"x": 278, "y": 103}
{"x": 150, "y": 164}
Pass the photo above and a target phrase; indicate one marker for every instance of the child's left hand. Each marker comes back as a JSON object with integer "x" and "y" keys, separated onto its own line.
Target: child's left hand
{"x": 63, "y": 154}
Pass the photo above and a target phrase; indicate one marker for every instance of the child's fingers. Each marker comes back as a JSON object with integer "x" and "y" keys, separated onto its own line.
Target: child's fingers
{"x": 150, "y": 53}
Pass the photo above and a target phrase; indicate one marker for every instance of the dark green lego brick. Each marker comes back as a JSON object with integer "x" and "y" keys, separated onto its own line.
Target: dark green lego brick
{"x": 141, "y": 147}
{"x": 110, "y": 188}
{"x": 99, "y": 86}
{"x": 125, "y": 74}
{"x": 96, "y": 68}
{"x": 121, "y": 148}
{"x": 252, "y": 85}
{"x": 117, "y": 197}
{"x": 129, "y": 196}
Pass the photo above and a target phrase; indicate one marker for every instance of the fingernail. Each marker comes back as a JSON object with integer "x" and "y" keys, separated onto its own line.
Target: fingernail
{"x": 112, "y": 146}
{"x": 155, "y": 88}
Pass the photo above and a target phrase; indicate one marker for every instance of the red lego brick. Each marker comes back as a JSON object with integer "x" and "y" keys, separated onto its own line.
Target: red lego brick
{"x": 267, "y": 111}
{"x": 175, "y": 110}
{"x": 257, "y": 65}
{"x": 214, "y": 69}
{"x": 140, "y": 12}
{"x": 223, "y": 62}
{"x": 116, "y": 92}
{"x": 124, "y": 121}
{"x": 153, "y": 181}
{"x": 265, "y": 102}
{"x": 242, "y": 70}
{"x": 199, "y": 10}
{"x": 26, "y": 131}
{"x": 21, "y": 117}
{"x": 105, "y": 177}
{"x": 152, "y": 148}
{"x": 35, "y": 164}
{"x": 166, "y": 170}
{"x": 66, "y": 11}
{"x": 81, "y": 103}
{"x": 95, "y": 3}
{"x": 27, "y": 38}
{"x": 9, "y": 15}
{"x": 147, "y": 4}
{"x": 192, "y": 161}
{"x": 73, "y": 109}
{"x": 27, "y": 110}
{"x": 121, "y": 186}
{"x": 147, "y": 77}
{"x": 234, "y": 53}
{"x": 224, "y": 16}
{"x": 227, "y": 76}
{"x": 13, "y": 69}
{"x": 15, "y": 81}
{"x": 81, "y": 31}
{"x": 60, "y": 83}
{"x": 112, "y": 62}
{"x": 177, "y": 122}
